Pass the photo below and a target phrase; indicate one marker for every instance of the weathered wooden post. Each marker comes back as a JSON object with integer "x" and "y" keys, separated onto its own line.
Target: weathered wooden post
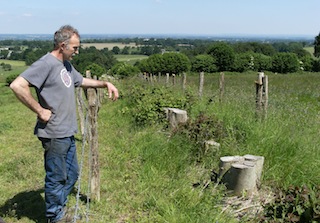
{"x": 261, "y": 95}
{"x": 266, "y": 95}
{"x": 173, "y": 79}
{"x": 221, "y": 86}
{"x": 201, "y": 83}
{"x": 184, "y": 80}
{"x": 81, "y": 109}
{"x": 167, "y": 79}
{"x": 93, "y": 104}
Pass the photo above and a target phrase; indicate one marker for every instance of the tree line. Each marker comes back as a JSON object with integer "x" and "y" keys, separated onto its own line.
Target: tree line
{"x": 181, "y": 55}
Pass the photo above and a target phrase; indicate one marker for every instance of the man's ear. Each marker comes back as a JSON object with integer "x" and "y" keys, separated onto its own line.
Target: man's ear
{"x": 62, "y": 45}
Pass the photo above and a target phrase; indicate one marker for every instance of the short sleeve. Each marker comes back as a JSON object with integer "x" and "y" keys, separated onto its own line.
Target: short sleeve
{"x": 37, "y": 73}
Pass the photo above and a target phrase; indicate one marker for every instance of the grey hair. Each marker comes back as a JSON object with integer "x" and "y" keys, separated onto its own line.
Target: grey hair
{"x": 64, "y": 34}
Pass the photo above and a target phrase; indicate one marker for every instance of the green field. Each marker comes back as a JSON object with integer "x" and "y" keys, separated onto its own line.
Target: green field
{"x": 17, "y": 68}
{"x": 310, "y": 49}
{"x": 149, "y": 174}
{"x": 131, "y": 59}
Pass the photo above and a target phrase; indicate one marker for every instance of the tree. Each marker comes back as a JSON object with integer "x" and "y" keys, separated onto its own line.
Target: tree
{"x": 306, "y": 63}
{"x": 96, "y": 70}
{"x": 175, "y": 63}
{"x": 4, "y": 54}
{"x": 243, "y": 62}
{"x": 125, "y": 50}
{"x": 116, "y": 50}
{"x": 317, "y": 46}
{"x": 285, "y": 63}
{"x": 89, "y": 56}
{"x": 155, "y": 64}
{"x": 124, "y": 70}
{"x": 204, "y": 63}
{"x": 143, "y": 66}
{"x": 262, "y": 62}
{"x": 224, "y": 55}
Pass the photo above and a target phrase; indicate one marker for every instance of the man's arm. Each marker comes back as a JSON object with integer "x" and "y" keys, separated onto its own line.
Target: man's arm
{"x": 21, "y": 89}
{"x": 112, "y": 90}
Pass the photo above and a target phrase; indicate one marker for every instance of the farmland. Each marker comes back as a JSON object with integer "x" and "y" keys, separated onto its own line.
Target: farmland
{"x": 148, "y": 174}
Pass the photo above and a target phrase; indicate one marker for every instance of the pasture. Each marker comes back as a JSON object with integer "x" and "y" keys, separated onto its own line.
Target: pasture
{"x": 149, "y": 174}
{"x": 17, "y": 68}
{"x": 130, "y": 59}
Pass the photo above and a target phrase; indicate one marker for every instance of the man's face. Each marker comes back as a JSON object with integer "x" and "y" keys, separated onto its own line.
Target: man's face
{"x": 72, "y": 48}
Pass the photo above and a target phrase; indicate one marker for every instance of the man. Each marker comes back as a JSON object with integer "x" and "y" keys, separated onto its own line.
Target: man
{"x": 55, "y": 79}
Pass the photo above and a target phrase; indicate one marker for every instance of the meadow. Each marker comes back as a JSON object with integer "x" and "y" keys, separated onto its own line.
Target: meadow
{"x": 150, "y": 174}
{"x": 17, "y": 68}
{"x": 130, "y": 59}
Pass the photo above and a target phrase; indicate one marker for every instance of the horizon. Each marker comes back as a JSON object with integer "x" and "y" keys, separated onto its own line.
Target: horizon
{"x": 165, "y": 35}
{"x": 164, "y": 17}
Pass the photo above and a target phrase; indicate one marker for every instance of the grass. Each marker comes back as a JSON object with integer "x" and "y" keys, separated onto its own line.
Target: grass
{"x": 131, "y": 59}
{"x": 309, "y": 49}
{"x": 17, "y": 68}
{"x": 148, "y": 174}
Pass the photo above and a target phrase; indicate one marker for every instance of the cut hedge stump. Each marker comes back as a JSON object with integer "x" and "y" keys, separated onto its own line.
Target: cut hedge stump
{"x": 241, "y": 174}
{"x": 176, "y": 116}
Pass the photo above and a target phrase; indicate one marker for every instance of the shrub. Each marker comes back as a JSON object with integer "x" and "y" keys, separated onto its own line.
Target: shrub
{"x": 285, "y": 63}
{"x": 96, "y": 70}
{"x": 148, "y": 103}
{"x": 11, "y": 78}
{"x": 124, "y": 70}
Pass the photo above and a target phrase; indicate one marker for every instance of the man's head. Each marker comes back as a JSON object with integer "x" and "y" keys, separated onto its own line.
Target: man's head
{"x": 67, "y": 40}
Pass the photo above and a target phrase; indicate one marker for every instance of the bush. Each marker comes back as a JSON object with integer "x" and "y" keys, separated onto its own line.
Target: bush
{"x": 124, "y": 70}
{"x": 204, "y": 63}
{"x": 148, "y": 103}
{"x": 96, "y": 70}
{"x": 11, "y": 78}
{"x": 285, "y": 63}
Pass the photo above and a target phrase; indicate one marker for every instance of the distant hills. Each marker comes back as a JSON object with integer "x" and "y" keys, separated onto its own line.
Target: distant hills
{"x": 235, "y": 37}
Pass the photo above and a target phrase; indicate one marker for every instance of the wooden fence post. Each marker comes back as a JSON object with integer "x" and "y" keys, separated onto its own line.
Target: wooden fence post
{"x": 201, "y": 83}
{"x": 184, "y": 80}
{"x": 93, "y": 104}
{"x": 261, "y": 95}
{"x": 81, "y": 109}
{"x": 167, "y": 79}
{"x": 221, "y": 86}
{"x": 173, "y": 79}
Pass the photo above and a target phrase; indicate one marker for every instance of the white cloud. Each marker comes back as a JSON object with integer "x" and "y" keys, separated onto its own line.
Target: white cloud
{"x": 27, "y": 15}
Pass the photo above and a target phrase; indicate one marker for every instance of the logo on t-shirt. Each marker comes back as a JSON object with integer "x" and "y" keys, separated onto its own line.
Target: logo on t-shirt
{"x": 65, "y": 77}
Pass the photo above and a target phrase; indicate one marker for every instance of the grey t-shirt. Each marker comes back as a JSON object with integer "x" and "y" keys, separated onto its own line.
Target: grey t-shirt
{"x": 55, "y": 83}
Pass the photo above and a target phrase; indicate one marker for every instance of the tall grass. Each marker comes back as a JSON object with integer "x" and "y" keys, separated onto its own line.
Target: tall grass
{"x": 149, "y": 174}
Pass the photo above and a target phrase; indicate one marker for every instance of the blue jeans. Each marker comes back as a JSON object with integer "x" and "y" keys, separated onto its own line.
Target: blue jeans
{"x": 62, "y": 171}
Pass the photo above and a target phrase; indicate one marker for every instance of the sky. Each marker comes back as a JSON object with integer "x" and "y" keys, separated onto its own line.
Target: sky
{"x": 178, "y": 17}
